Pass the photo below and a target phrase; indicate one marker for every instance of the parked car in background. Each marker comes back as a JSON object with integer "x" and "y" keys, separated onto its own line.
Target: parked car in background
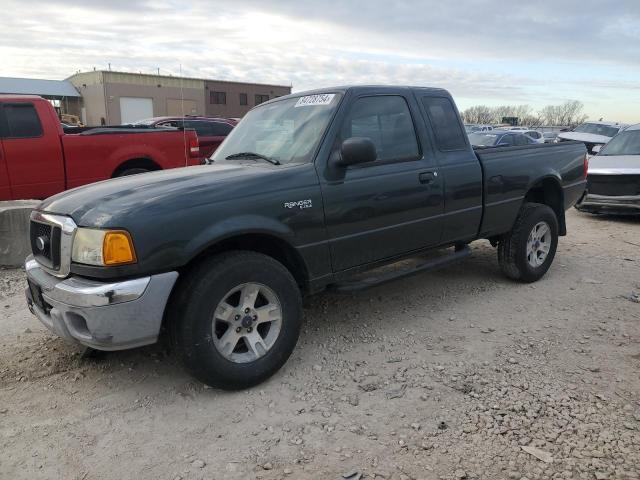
{"x": 211, "y": 130}
{"x": 473, "y": 128}
{"x": 613, "y": 181}
{"x": 534, "y": 135}
{"x": 39, "y": 157}
{"x": 499, "y": 138}
{"x": 550, "y": 137}
{"x": 592, "y": 133}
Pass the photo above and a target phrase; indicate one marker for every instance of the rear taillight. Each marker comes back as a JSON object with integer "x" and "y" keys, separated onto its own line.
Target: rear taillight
{"x": 586, "y": 165}
{"x": 194, "y": 147}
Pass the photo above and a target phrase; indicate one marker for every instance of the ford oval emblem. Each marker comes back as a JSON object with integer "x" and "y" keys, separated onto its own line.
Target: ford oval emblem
{"x": 41, "y": 243}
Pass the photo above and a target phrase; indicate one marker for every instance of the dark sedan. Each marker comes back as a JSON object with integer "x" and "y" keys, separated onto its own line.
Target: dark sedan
{"x": 211, "y": 131}
{"x": 496, "y": 138}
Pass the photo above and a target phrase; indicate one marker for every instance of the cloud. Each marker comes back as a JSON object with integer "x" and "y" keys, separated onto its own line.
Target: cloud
{"x": 494, "y": 52}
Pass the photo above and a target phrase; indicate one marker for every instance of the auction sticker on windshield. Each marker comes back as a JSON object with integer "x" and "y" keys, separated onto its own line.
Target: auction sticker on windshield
{"x": 312, "y": 100}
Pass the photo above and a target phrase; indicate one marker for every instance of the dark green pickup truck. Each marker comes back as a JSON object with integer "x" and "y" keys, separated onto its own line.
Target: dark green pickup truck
{"x": 308, "y": 192}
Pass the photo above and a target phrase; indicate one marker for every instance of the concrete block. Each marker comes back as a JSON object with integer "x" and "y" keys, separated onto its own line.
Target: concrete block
{"x": 14, "y": 231}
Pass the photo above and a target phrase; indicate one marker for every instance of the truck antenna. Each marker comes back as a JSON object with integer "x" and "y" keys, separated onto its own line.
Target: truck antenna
{"x": 184, "y": 132}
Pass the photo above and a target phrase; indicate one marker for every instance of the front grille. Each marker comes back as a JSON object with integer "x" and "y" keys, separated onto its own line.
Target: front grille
{"x": 45, "y": 243}
{"x": 614, "y": 185}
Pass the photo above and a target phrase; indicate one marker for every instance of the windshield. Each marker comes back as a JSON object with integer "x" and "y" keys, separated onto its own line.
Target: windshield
{"x": 625, "y": 143}
{"x": 287, "y": 131}
{"x": 597, "y": 129}
{"x": 483, "y": 139}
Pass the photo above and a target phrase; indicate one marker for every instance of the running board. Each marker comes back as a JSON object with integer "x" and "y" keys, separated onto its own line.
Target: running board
{"x": 374, "y": 281}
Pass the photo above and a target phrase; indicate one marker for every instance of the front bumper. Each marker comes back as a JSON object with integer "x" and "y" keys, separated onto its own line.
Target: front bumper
{"x": 104, "y": 316}
{"x": 609, "y": 204}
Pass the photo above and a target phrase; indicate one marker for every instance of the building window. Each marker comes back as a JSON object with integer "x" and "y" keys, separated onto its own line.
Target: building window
{"x": 243, "y": 99}
{"x": 261, "y": 98}
{"x": 218, "y": 98}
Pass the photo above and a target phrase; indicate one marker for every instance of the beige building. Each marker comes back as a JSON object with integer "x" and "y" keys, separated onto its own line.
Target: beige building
{"x": 234, "y": 99}
{"x": 112, "y": 98}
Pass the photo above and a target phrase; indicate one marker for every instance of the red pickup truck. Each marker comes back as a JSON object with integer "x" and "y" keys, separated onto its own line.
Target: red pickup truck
{"x": 38, "y": 158}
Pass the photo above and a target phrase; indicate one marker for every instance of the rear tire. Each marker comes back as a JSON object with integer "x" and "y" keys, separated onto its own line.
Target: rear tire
{"x": 527, "y": 251}
{"x": 210, "y": 319}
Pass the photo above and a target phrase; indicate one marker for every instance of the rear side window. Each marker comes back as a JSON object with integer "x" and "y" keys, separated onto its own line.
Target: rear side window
{"x": 203, "y": 129}
{"x": 387, "y": 122}
{"x": 220, "y": 129}
{"x": 446, "y": 126}
{"x": 21, "y": 121}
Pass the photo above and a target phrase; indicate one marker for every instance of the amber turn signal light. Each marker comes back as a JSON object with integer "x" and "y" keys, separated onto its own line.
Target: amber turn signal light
{"x": 117, "y": 248}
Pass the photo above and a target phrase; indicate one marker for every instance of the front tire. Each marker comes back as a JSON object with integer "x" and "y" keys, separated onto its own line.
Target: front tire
{"x": 236, "y": 319}
{"x": 527, "y": 251}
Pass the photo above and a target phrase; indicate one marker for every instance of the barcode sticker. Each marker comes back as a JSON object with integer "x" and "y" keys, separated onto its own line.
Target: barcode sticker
{"x": 313, "y": 100}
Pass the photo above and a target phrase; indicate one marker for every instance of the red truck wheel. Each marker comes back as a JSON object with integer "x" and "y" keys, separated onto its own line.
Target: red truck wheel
{"x": 131, "y": 171}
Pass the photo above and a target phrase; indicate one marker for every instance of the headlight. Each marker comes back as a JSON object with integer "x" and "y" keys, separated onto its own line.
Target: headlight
{"x": 103, "y": 247}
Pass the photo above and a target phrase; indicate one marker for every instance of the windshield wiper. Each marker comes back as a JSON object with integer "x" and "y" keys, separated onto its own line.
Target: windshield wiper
{"x": 252, "y": 155}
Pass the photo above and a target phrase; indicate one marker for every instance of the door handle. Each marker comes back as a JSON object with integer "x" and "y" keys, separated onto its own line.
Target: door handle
{"x": 427, "y": 177}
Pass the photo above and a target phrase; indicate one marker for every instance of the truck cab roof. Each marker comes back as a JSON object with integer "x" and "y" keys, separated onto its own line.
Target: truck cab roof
{"x": 358, "y": 89}
{"x": 13, "y": 96}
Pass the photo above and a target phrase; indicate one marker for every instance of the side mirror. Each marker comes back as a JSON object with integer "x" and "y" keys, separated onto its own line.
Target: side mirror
{"x": 596, "y": 149}
{"x": 357, "y": 150}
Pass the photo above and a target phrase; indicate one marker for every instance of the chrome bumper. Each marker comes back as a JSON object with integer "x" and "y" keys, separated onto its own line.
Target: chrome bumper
{"x": 594, "y": 203}
{"x": 104, "y": 316}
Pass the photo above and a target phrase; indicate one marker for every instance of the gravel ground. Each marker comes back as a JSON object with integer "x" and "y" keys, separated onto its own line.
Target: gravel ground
{"x": 451, "y": 375}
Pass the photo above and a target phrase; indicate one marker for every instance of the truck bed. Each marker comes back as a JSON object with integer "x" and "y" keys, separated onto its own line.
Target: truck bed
{"x": 505, "y": 182}
{"x": 108, "y": 129}
{"x": 94, "y": 154}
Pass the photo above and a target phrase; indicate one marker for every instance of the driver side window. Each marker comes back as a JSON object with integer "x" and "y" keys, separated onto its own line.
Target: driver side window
{"x": 387, "y": 122}
{"x": 507, "y": 140}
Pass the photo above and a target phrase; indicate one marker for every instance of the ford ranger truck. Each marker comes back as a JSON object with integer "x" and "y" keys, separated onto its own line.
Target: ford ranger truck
{"x": 311, "y": 191}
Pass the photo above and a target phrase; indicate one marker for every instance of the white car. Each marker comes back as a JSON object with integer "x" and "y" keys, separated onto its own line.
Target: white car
{"x": 613, "y": 178}
{"x": 475, "y": 128}
{"x": 534, "y": 134}
{"x": 593, "y": 133}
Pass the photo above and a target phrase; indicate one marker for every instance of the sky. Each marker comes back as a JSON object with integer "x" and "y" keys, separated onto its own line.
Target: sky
{"x": 484, "y": 52}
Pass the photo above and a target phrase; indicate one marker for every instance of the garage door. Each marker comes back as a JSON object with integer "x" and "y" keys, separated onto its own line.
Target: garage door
{"x": 133, "y": 109}
{"x": 177, "y": 107}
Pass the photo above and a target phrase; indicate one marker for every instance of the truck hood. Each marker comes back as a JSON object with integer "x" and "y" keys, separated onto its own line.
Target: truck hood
{"x": 103, "y": 203}
{"x": 614, "y": 165}
{"x": 585, "y": 137}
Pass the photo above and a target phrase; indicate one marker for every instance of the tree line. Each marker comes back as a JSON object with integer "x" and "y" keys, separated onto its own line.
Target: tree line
{"x": 567, "y": 114}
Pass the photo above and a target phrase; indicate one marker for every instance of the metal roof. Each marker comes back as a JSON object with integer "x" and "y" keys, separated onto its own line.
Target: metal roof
{"x": 33, "y": 86}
